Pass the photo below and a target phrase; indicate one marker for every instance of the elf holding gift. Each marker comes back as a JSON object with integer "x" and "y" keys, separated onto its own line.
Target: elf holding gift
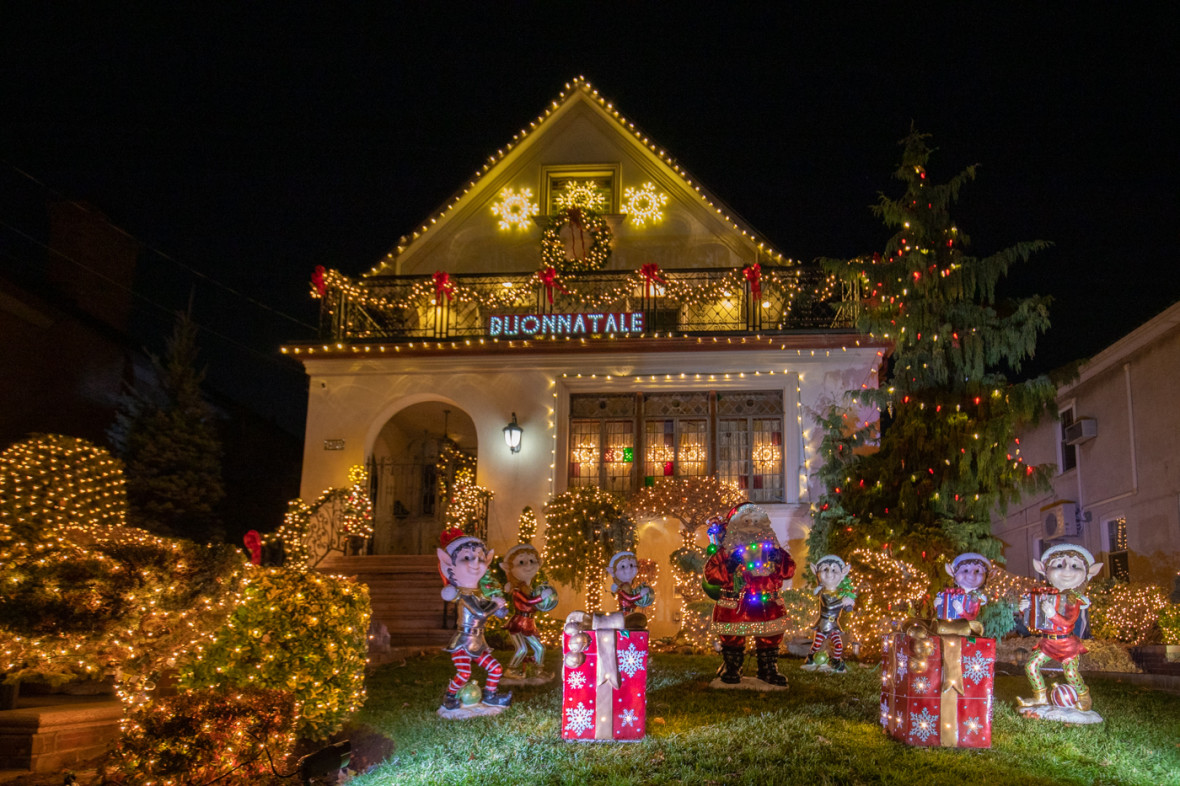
{"x": 836, "y": 593}
{"x": 966, "y": 598}
{"x": 521, "y": 565}
{"x": 1067, "y": 568}
{"x": 745, "y": 574}
{"x": 463, "y": 560}
{"x": 624, "y": 568}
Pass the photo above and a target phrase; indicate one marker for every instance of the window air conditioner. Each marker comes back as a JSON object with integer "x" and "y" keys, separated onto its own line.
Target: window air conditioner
{"x": 1061, "y": 520}
{"x": 1081, "y": 430}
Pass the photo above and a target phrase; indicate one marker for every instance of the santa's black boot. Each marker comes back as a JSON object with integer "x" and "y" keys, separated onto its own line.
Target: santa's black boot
{"x": 768, "y": 667}
{"x": 494, "y": 699}
{"x": 731, "y": 664}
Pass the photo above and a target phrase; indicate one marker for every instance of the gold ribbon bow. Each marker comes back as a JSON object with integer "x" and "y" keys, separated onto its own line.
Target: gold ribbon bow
{"x": 607, "y": 677}
{"x": 951, "y": 633}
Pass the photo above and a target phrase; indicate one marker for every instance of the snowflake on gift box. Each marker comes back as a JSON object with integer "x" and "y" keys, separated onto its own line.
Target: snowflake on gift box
{"x": 628, "y": 717}
{"x": 576, "y": 680}
{"x": 884, "y": 713}
{"x": 631, "y": 660}
{"x": 924, "y": 724}
{"x": 902, "y": 662}
{"x": 975, "y": 668}
{"x": 972, "y": 725}
{"x": 579, "y": 719}
{"x": 921, "y": 684}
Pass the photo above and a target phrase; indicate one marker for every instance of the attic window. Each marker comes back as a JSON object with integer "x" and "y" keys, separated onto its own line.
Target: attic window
{"x": 595, "y": 187}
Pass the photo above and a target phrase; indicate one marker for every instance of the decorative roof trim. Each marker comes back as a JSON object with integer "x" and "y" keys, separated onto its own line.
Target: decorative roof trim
{"x": 579, "y": 85}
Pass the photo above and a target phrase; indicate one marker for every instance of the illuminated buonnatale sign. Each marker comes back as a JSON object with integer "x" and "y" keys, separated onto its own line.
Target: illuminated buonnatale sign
{"x": 513, "y": 325}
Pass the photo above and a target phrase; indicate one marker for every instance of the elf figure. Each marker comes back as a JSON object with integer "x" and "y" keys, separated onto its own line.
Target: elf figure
{"x": 624, "y": 568}
{"x": 521, "y": 565}
{"x": 836, "y": 593}
{"x": 1052, "y": 613}
{"x": 966, "y": 598}
{"x": 463, "y": 561}
{"x": 744, "y": 574}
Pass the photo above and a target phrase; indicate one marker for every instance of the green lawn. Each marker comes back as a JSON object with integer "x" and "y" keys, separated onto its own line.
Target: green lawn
{"x": 824, "y": 730}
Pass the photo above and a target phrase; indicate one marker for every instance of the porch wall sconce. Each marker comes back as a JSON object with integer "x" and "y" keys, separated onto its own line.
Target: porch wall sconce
{"x": 512, "y": 434}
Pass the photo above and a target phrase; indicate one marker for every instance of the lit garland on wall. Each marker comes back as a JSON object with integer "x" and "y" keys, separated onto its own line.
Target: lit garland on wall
{"x": 780, "y": 284}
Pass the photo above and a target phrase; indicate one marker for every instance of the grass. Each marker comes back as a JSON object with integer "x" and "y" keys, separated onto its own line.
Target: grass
{"x": 824, "y": 730}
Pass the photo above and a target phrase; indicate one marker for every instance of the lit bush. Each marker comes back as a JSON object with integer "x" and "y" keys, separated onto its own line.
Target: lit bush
{"x": 227, "y": 736}
{"x": 301, "y": 632}
{"x": 1169, "y": 622}
{"x": 1125, "y": 612}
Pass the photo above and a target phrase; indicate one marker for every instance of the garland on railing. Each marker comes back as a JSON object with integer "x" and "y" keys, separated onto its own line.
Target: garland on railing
{"x": 586, "y": 295}
{"x": 357, "y": 518}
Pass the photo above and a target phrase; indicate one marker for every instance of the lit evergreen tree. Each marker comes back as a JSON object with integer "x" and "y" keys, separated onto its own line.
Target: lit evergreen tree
{"x": 168, "y": 441}
{"x": 946, "y": 454}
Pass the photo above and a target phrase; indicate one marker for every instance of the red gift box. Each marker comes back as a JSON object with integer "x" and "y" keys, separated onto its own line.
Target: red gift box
{"x": 944, "y": 603}
{"x": 603, "y": 696}
{"x": 937, "y": 680}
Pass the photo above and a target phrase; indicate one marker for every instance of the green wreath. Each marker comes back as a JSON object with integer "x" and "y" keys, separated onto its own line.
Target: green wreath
{"x": 592, "y": 236}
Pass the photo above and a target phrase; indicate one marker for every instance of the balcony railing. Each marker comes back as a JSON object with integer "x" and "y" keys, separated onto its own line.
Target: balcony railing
{"x": 679, "y": 302}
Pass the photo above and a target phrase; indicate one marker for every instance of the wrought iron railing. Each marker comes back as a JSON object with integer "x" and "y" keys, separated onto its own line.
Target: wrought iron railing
{"x": 682, "y": 302}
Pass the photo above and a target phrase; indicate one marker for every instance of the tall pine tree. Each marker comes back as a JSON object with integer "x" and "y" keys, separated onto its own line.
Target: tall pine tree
{"x": 945, "y": 456}
{"x": 168, "y": 441}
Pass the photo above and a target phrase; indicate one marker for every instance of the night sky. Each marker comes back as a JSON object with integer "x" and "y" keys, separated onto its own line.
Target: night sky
{"x": 244, "y": 150}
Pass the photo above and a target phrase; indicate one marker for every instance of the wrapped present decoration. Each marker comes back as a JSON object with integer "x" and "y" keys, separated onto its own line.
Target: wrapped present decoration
{"x": 944, "y": 602}
{"x": 1034, "y": 617}
{"x": 937, "y": 679}
{"x": 604, "y": 679}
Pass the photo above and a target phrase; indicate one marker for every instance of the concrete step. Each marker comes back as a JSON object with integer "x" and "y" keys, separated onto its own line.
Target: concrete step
{"x": 57, "y": 735}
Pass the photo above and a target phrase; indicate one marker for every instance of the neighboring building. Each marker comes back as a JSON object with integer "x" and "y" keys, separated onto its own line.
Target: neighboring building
{"x": 1117, "y": 489}
{"x": 695, "y": 350}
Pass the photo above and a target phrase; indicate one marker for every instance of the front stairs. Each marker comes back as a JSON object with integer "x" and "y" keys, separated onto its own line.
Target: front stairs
{"x": 404, "y": 592}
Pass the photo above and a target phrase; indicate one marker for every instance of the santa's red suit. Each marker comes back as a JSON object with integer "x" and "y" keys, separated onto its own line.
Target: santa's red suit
{"x": 749, "y": 605}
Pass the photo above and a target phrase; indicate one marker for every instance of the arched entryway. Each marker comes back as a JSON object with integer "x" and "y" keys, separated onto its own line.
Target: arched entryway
{"x": 413, "y": 466}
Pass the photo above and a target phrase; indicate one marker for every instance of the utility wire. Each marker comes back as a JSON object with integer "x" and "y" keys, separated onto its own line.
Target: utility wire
{"x": 131, "y": 291}
{"x": 162, "y": 254}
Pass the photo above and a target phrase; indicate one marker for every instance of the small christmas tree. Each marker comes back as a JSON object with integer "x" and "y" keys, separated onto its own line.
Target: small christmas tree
{"x": 947, "y": 455}
{"x": 168, "y": 442}
{"x": 584, "y": 528}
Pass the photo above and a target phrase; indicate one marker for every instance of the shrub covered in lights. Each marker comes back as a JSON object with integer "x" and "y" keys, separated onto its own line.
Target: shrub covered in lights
{"x": 585, "y": 526}
{"x": 50, "y": 482}
{"x": 227, "y": 736}
{"x": 1169, "y": 622}
{"x": 1125, "y": 611}
{"x": 293, "y": 631}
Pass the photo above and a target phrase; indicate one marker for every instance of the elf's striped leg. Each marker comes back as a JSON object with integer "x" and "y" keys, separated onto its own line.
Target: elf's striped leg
{"x": 462, "y": 663}
{"x": 492, "y": 667}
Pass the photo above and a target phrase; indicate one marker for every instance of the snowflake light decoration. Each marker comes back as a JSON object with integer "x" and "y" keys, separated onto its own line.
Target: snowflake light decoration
{"x": 921, "y": 684}
{"x": 576, "y": 680}
{"x": 582, "y": 193}
{"x": 644, "y": 204}
{"x": 924, "y": 724}
{"x": 515, "y": 210}
{"x": 973, "y": 725}
{"x": 628, "y": 717}
{"x": 630, "y": 661}
{"x": 902, "y": 663}
{"x": 579, "y": 719}
{"x": 975, "y": 668}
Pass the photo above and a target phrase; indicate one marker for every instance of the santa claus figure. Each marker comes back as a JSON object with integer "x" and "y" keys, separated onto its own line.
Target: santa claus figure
{"x": 745, "y": 574}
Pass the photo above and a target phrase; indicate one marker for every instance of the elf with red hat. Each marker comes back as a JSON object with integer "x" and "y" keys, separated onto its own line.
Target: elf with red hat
{"x": 463, "y": 560}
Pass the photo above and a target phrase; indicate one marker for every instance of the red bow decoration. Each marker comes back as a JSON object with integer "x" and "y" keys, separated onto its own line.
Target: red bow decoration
{"x": 443, "y": 286}
{"x": 549, "y": 278}
{"x": 317, "y": 280}
{"x": 651, "y": 277}
{"x": 754, "y": 276}
{"x": 253, "y": 542}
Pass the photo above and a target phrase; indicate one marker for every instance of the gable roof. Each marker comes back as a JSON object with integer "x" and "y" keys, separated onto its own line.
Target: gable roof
{"x": 577, "y": 97}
